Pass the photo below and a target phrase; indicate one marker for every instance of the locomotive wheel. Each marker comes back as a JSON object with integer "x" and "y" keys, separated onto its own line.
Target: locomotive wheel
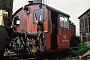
{"x": 3, "y": 36}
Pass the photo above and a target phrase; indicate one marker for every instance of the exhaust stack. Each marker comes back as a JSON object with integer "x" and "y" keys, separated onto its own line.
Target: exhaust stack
{"x": 37, "y": 1}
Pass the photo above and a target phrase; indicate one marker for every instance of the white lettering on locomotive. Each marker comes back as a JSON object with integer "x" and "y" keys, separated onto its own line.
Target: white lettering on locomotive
{"x": 65, "y": 40}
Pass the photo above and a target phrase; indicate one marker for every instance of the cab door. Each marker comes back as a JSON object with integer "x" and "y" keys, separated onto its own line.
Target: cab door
{"x": 54, "y": 19}
{"x": 64, "y": 33}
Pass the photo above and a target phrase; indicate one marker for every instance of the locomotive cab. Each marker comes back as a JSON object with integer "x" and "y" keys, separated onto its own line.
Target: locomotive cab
{"x": 60, "y": 34}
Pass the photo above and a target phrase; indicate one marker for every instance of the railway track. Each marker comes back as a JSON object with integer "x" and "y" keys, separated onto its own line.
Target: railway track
{"x": 16, "y": 58}
{"x": 48, "y": 56}
{"x": 20, "y": 57}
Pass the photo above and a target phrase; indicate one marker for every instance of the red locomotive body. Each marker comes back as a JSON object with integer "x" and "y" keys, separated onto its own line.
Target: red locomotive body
{"x": 34, "y": 18}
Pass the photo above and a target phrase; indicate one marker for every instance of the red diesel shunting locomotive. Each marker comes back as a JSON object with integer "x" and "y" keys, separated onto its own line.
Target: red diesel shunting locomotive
{"x": 54, "y": 24}
{"x": 37, "y": 27}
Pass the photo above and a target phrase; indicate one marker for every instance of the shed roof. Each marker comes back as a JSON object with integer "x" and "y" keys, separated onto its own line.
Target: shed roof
{"x": 83, "y": 13}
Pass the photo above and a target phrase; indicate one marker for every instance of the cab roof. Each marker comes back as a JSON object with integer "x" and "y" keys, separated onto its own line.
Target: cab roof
{"x": 48, "y": 7}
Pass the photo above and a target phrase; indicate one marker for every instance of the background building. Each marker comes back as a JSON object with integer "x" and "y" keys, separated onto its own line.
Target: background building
{"x": 84, "y": 20}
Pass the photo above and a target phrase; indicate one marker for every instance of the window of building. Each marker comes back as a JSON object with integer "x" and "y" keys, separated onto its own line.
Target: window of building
{"x": 38, "y": 15}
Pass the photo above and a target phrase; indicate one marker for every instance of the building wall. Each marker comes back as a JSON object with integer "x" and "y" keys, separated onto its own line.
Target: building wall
{"x": 84, "y": 22}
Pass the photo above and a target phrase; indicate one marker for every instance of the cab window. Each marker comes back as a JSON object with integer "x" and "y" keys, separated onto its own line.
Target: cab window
{"x": 64, "y": 22}
{"x": 17, "y": 20}
{"x": 38, "y": 15}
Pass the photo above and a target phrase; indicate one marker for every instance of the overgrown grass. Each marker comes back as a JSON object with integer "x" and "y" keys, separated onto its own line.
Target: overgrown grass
{"x": 83, "y": 48}
{"x": 71, "y": 58}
